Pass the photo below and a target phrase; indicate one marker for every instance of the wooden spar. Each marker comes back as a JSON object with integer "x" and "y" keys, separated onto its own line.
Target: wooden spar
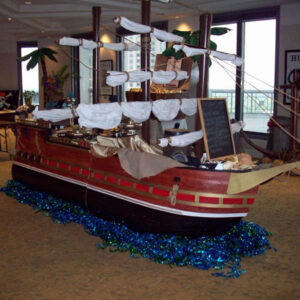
{"x": 258, "y": 148}
{"x": 202, "y": 87}
{"x": 96, "y": 56}
{"x": 145, "y": 62}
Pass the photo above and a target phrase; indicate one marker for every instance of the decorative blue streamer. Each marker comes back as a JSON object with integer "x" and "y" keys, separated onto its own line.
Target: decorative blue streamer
{"x": 222, "y": 252}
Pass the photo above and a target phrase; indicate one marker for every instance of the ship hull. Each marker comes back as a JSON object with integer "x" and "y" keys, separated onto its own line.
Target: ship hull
{"x": 200, "y": 206}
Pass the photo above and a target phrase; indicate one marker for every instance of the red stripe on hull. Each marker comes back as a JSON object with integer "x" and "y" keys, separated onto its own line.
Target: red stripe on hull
{"x": 74, "y": 169}
{"x": 85, "y": 172}
{"x": 185, "y": 197}
{"x": 98, "y": 176}
{"x": 233, "y": 201}
{"x": 63, "y": 166}
{"x": 126, "y": 183}
{"x": 142, "y": 187}
{"x": 112, "y": 179}
{"x": 208, "y": 200}
{"x": 160, "y": 192}
{"x": 250, "y": 201}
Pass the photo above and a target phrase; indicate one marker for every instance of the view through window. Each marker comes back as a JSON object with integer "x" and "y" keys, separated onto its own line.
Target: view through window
{"x": 259, "y": 62}
{"x": 259, "y": 43}
{"x": 132, "y": 60}
{"x": 220, "y": 84}
{"x": 30, "y": 79}
{"x": 86, "y": 75}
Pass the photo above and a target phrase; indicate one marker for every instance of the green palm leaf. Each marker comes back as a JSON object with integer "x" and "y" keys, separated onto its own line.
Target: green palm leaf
{"x": 219, "y": 30}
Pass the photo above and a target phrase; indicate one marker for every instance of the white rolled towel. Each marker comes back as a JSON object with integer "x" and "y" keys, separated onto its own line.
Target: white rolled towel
{"x": 192, "y": 137}
{"x": 132, "y": 26}
{"x": 90, "y": 44}
{"x": 163, "y": 77}
{"x": 140, "y": 28}
{"x": 236, "y": 60}
{"x": 121, "y": 46}
{"x": 189, "y": 51}
{"x": 67, "y": 41}
{"x": 167, "y": 36}
{"x": 116, "y": 78}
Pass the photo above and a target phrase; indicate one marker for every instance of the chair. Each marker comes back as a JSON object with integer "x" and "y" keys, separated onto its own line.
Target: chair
{"x": 5, "y": 125}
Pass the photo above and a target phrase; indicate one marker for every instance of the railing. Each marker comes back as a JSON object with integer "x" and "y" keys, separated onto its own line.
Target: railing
{"x": 264, "y": 98}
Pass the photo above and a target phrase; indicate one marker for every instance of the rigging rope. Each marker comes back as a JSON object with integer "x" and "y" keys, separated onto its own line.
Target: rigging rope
{"x": 273, "y": 99}
{"x": 269, "y": 85}
{"x": 262, "y": 108}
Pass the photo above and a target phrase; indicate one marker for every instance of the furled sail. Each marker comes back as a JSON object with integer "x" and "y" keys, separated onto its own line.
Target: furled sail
{"x": 140, "y": 28}
{"x": 116, "y": 78}
{"x": 109, "y": 115}
{"x": 53, "y": 115}
{"x": 102, "y": 115}
{"x": 87, "y": 44}
{"x": 170, "y": 37}
{"x": 192, "y": 137}
{"x": 191, "y": 51}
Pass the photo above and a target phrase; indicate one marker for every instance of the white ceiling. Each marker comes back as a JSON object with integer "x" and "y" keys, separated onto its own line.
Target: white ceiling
{"x": 46, "y": 18}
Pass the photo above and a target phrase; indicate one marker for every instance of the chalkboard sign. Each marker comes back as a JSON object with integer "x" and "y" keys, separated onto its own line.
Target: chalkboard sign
{"x": 216, "y": 127}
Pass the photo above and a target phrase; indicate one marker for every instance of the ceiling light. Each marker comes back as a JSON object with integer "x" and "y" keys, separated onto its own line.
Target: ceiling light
{"x": 27, "y": 2}
{"x": 9, "y": 19}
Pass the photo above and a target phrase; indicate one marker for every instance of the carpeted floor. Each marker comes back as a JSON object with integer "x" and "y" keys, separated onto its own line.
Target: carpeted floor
{"x": 40, "y": 259}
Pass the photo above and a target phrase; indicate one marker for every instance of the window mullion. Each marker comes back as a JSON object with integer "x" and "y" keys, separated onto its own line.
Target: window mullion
{"x": 239, "y": 98}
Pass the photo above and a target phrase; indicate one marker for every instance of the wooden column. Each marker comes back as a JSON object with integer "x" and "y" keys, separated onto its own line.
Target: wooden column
{"x": 202, "y": 87}
{"x": 96, "y": 54}
{"x": 294, "y": 86}
{"x": 145, "y": 62}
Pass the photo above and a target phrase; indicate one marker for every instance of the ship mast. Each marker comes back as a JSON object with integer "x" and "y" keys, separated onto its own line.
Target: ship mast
{"x": 203, "y": 64}
{"x": 145, "y": 62}
{"x": 96, "y": 54}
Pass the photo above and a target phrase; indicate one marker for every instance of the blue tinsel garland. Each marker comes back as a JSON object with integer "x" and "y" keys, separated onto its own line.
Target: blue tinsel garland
{"x": 220, "y": 253}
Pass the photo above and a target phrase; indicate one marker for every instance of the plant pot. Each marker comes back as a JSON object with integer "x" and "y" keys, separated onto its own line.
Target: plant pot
{"x": 23, "y": 115}
{"x": 28, "y": 101}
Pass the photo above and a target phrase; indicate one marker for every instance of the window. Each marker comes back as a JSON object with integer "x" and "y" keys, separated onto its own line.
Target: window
{"x": 253, "y": 37}
{"x": 130, "y": 61}
{"x": 259, "y": 62}
{"x": 28, "y": 80}
{"x": 86, "y": 75}
{"x": 133, "y": 65}
{"x": 220, "y": 84}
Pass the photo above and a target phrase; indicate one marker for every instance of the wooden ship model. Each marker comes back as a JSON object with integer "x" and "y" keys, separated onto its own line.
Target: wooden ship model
{"x": 180, "y": 199}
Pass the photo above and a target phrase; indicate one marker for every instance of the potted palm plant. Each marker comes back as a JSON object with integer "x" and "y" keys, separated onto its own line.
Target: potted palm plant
{"x": 28, "y": 95}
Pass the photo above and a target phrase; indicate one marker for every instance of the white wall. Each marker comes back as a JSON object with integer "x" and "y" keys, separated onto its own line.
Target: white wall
{"x": 289, "y": 38}
{"x": 8, "y": 66}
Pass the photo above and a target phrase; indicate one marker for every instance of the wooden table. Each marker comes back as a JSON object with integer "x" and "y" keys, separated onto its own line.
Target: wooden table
{"x": 7, "y": 115}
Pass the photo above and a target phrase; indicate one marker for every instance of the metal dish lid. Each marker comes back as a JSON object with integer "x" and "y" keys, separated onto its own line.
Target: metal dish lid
{"x": 175, "y": 131}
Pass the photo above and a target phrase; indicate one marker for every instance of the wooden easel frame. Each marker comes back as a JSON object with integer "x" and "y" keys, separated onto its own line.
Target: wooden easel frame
{"x": 203, "y": 126}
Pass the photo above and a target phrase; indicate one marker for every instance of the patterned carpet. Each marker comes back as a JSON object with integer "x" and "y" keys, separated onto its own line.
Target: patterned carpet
{"x": 40, "y": 259}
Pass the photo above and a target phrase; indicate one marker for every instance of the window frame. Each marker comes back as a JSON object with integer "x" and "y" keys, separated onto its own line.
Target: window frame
{"x": 240, "y": 17}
